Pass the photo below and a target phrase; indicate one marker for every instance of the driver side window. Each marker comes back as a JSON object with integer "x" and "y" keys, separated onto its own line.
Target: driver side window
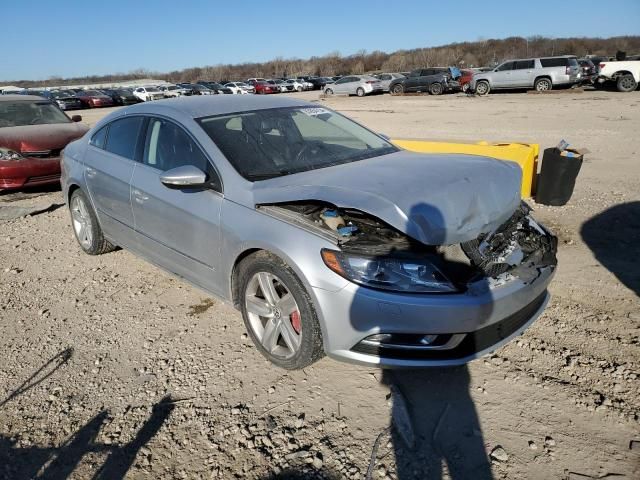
{"x": 505, "y": 66}
{"x": 168, "y": 146}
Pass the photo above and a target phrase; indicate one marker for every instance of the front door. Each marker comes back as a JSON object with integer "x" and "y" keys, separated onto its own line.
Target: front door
{"x": 501, "y": 77}
{"x": 522, "y": 75}
{"x": 178, "y": 229}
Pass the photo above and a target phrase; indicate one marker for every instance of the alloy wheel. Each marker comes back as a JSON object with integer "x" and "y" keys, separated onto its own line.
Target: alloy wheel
{"x": 82, "y": 225}
{"x": 273, "y": 315}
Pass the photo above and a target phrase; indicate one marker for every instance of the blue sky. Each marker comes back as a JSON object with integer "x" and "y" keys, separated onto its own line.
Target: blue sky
{"x": 43, "y": 38}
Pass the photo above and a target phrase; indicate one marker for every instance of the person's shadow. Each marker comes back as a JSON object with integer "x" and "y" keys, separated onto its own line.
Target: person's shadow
{"x": 433, "y": 423}
{"x": 614, "y": 238}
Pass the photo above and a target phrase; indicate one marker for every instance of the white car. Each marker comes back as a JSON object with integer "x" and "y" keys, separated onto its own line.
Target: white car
{"x": 298, "y": 85}
{"x": 173, "y": 91}
{"x": 305, "y": 84}
{"x": 147, "y": 94}
{"x": 240, "y": 88}
{"x": 624, "y": 74}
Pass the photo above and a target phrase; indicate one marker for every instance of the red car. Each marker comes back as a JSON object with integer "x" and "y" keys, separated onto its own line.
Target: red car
{"x": 465, "y": 79}
{"x": 33, "y": 131}
{"x": 94, "y": 98}
{"x": 264, "y": 87}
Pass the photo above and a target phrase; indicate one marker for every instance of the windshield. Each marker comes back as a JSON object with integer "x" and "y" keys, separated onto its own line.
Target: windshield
{"x": 270, "y": 143}
{"x": 151, "y": 89}
{"x": 16, "y": 114}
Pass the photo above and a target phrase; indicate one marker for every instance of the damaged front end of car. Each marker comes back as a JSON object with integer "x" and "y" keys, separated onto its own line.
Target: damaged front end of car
{"x": 373, "y": 254}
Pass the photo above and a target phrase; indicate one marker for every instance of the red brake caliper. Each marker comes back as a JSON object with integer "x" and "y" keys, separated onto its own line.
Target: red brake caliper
{"x": 295, "y": 321}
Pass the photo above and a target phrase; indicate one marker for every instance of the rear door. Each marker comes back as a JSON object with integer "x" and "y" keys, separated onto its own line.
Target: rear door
{"x": 178, "y": 229}
{"x": 109, "y": 165}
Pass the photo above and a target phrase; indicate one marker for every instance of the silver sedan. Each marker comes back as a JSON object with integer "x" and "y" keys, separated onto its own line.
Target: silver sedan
{"x": 326, "y": 237}
{"x": 359, "y": 85}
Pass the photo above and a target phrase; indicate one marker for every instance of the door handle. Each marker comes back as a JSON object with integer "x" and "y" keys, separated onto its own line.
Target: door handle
{"x": 91, "y": 172}
{"x": 139, "y": 196}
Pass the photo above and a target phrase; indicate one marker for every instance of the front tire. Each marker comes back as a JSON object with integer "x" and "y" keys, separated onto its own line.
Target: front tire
{"x": 626, "y": 83}
{"x": 86, "y": 227}
{"x": 328, "y": 91}
{"x": 465, "y": 88}
{"x": 360, "y": 92}
{"x": 278, "y": 312}
{"x": 397, "y": 89}
{"x": 542, "y": 85}
{"x": 483, "y": 88}
{"x": 436, "y": 89}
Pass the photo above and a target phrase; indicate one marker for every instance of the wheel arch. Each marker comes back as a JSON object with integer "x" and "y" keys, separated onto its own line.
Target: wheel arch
{"x": 250, "y": 250}
{"x": 619, "y": 73}
{"x": 539, "y": 77}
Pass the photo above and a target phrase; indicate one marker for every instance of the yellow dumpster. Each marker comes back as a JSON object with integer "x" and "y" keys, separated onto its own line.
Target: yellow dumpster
{"x": 524, "y": 154}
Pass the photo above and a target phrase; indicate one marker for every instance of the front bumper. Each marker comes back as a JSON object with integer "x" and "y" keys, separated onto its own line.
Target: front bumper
{"x": 29, "y": 172}
{"x": 486, "y": 317}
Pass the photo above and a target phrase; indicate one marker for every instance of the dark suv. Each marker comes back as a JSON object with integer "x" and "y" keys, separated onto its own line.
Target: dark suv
{"x": 435, "y": 80}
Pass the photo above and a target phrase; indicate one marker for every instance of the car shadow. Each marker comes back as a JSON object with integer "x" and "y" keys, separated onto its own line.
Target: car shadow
{"x": 60, "y": 462}
{"x": 434, "y": 426}
{"x": 613, "y": 237}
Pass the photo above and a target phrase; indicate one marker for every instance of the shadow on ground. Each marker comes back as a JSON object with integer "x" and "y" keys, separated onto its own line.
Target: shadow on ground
{"x": 614, "y": 238}
{"x": 435, "y": 426}
{"x": 58, "y": 463}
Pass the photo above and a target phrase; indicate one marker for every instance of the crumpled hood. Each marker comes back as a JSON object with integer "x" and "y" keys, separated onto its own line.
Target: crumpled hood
{"x": 29, "y": 138}
{"x": 438, "y": 199}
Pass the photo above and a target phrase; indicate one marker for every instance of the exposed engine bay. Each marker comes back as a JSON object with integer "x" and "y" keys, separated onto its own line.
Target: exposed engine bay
{"x": 519, "y": 248}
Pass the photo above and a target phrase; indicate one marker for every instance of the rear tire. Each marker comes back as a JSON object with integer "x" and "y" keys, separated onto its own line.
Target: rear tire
{"x": 465, "y": 88}
{"x": 360, "y": 92}
{"x": 483, "y": 88}
{"x": 542, "y": 85}
{"x": 86, "y": 227}
{"x": 436, "y": 88}
{"x": 299, "y": 89}
{"x": 626, "y": 83}
{"x": 295, "y": 341}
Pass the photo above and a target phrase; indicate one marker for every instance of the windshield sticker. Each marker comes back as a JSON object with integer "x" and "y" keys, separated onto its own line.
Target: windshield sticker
{"x": 313, "y": 112}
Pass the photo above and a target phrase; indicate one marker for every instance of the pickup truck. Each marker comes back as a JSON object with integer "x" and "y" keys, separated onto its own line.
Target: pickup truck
{"x": 625, "y": 74}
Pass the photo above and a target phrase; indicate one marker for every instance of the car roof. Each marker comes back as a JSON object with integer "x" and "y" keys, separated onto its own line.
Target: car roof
{"x": 204, "y": 106}
{"x": 25, "y": 98}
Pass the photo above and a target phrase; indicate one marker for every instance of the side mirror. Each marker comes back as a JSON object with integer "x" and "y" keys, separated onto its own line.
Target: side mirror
{"x": 184, "y": 176}
{"x": 76, "y": 118}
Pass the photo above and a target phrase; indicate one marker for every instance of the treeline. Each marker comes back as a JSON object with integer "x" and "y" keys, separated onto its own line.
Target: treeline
{"x": 465, "y": 54}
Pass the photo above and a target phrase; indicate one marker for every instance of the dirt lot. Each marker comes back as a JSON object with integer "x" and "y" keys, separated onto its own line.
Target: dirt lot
{"x": 111, "y": 368}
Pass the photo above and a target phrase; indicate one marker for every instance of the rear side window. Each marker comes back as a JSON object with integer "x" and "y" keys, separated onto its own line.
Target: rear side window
{"x": 524, "y": 64}
{"x": 554, "y": 62}
{"x": 123, "y": 136}
{"x": 99, "y": 137}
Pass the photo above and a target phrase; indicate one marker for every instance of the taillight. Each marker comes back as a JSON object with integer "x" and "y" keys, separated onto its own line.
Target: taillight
{"x": 602, "y": 65}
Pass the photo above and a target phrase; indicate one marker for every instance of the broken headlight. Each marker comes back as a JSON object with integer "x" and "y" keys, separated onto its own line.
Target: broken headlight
{"x": 389, "y": 273}
{"x": 9, "y": 155}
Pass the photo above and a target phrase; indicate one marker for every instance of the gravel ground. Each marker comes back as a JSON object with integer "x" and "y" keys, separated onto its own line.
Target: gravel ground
{"x": 113, "y": 369}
